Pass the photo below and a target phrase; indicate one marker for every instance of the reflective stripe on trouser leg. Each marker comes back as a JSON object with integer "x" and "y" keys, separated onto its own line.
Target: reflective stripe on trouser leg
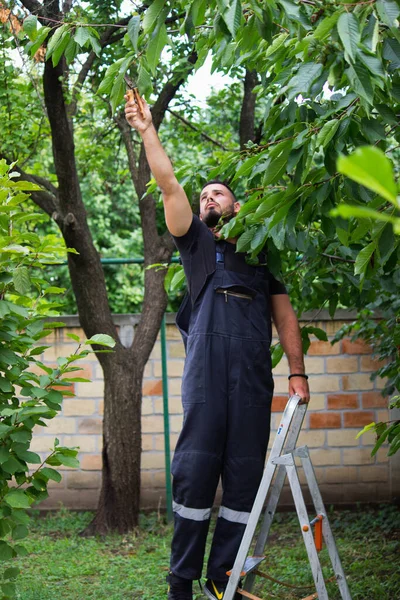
{"x": 240, "y": 488}
{"x": 195, "y": 480}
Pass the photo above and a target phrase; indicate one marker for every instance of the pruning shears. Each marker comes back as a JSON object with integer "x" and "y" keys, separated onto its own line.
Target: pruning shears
{"x": 133, "y": 94}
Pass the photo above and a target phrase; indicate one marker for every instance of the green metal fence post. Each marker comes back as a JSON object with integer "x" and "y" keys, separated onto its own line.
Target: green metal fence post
{"x": 168, "y": 488}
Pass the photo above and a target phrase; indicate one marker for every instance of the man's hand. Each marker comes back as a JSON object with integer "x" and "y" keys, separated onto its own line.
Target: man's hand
{"x": 134, "y": 117}
{"x": 299, "y": 386}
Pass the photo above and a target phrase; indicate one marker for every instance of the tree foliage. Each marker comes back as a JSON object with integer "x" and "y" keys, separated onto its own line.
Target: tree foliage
{"x": 31, "y": 392}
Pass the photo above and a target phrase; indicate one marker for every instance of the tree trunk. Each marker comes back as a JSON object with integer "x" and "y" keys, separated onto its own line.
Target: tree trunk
{"x": 119, "y": 501}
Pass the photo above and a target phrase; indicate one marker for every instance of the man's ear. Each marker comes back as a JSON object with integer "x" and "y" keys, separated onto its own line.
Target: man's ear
{"x": 236, "y": 208}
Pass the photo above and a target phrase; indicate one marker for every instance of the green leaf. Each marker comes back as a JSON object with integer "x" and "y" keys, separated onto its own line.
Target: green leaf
{"x": 158, "y": 40}
{"x": 349, "y": 33}
{"x": 373, "y": 64}
{"x": 391, "y": 51}
{"x": 324, "y": 28}
{"x": 8, "y": 590}
{"x": 30, "y": 27}
{"x": 152, "y": 14}
{"x": 81, "y": 36}
{"x": 17, "y": 499}
{"x": 177, "y": 280}
{"x": 276, "y": 355}
{"x": 74, "y": 337}
{"x": 198, "y": 10}
{"x": 233, "y": 17}
{"x": 51, "y": 474}
{"x": 364, "y": 258}
{"x": 327, "y": 132}
{"x": 28, "y": 457}
{"x": 68, "y": 461}
{"x": 388, "y": 12}
{"x": 133, "y": 31}
{"x": 59, "y": 49}
{"x": 145, "y": 83}
{"x": 102, "y": 340}
{"x": 21, "y": 279}
{"x": 347, "y": 211}
{"x": 361, "y": 81}
{"x": 5, "y": 385}
{"x": 11, "y": 572}
{"x": 117, "y": 92}
{"x": 304, "y": 78}
{"x": 276, "y": 44}
{"x": 243, "y": 243}
{"x": 19, "y": 532}
{"x": 71, "y": 51}
{"x": 94, "y": 42}
{"x": 247, "y": 166}
{"x": 56, "y": 39}
{"x": 369, "y": 166}
{"x": 12, "y": 465}
{"x": 319, "y": 333}
{"x": 6, "y": 551}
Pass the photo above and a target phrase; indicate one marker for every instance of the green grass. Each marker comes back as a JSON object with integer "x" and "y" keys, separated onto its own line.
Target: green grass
{"x": 62, "y": 565}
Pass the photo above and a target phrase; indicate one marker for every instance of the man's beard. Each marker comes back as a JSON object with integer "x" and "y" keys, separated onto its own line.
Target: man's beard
{"x": 212, "y": 217}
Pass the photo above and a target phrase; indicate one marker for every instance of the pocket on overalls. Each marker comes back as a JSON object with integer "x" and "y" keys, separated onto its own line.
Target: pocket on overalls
{"x": 233, "y": 309}
{"x": 256, "y": 374}
{"x": 194, "y": 373}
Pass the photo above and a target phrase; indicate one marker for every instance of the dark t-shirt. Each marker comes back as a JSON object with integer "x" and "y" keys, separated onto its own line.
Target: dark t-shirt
{"x": 197, "y": 249}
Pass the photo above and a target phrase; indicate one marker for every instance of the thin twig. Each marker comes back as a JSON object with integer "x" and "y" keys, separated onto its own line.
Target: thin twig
{"x": 340, "y": 258}
{"x": 194, "y": 128}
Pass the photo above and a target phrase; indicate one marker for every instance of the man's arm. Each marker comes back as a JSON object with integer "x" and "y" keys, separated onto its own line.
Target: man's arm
{"x": 178, "y": 213}
{"x": 288, "y": 329}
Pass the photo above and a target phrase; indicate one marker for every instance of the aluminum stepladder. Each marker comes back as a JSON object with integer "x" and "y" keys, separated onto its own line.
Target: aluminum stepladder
{"x": 282, "y": 460}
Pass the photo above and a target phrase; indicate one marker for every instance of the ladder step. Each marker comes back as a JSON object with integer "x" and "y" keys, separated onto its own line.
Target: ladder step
{"x": 248, "y": 595}
{"x": 250, "y": 564}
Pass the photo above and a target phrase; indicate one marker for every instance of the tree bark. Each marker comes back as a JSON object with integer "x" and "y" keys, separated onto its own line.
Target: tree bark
{"x": 247, "y": 113}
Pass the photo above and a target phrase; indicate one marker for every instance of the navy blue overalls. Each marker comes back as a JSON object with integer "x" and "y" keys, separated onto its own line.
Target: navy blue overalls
{"x": 227, "y": 390}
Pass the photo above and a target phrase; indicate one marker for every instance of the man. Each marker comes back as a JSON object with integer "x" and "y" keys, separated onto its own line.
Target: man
{"x": 227, "y": 384}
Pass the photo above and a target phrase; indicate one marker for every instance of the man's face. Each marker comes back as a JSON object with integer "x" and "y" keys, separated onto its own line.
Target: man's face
{"x": 217, "y": 201}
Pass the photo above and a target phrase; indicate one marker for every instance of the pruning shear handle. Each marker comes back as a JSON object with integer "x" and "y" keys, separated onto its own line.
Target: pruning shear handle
{"x": 133, "y": 94}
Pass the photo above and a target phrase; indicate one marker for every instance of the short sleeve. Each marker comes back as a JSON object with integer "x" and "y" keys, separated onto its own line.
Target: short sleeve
{"x": 185, "y": 242}
{"x": 276, "y": 287}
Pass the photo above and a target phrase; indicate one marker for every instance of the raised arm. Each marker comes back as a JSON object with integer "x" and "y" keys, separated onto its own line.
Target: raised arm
{"x": 178, "y": 213}
{"x": 288, "y": 329}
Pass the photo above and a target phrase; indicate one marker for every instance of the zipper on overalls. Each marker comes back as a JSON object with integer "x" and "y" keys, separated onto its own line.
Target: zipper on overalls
{"x": 236, "y": 294}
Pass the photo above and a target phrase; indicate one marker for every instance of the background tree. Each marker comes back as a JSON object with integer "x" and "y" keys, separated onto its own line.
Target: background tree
{"x": 319, "y": 80}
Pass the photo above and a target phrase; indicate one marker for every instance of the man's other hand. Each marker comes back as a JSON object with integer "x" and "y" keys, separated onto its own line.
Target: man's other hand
{"x": 133, "y": 116}
{"x": 299, "y": 386}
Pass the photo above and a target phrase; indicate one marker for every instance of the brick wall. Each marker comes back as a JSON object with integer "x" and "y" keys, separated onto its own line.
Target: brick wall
{"x": 344, "y": 399}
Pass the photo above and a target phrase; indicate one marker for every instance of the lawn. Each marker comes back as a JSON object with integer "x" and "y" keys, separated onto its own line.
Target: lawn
{"x": 63, "y": 565}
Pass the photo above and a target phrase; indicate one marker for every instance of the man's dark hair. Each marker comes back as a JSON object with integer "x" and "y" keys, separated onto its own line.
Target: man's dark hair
{"x": 224, "y": 183}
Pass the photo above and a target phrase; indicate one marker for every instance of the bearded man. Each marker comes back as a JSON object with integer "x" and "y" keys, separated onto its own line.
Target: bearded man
{"x": 227, "y": 385}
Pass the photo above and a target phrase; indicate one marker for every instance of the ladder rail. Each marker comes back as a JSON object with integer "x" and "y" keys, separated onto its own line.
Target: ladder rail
{"x": 269, "y": 471}
{"x": 272, "y": 502}
{"x": 306, "y": 529}
{"x": 309, "y": 472}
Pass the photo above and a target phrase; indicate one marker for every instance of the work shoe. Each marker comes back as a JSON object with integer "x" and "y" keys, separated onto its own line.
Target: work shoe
{"x": 179, "y": 588}
{"x": 215, "y": 590}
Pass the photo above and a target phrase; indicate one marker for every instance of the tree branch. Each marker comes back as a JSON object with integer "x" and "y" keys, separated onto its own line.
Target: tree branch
{"x": 201, "y": 133}
{"x": 47, "y": 201}
{"x": 34, "y": 7}
{"x": 247, "y": 113}
{"x": 126, "y": 133}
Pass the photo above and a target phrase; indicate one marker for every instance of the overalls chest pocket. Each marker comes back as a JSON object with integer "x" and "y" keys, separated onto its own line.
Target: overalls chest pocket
{"x": 232, "y": 314}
